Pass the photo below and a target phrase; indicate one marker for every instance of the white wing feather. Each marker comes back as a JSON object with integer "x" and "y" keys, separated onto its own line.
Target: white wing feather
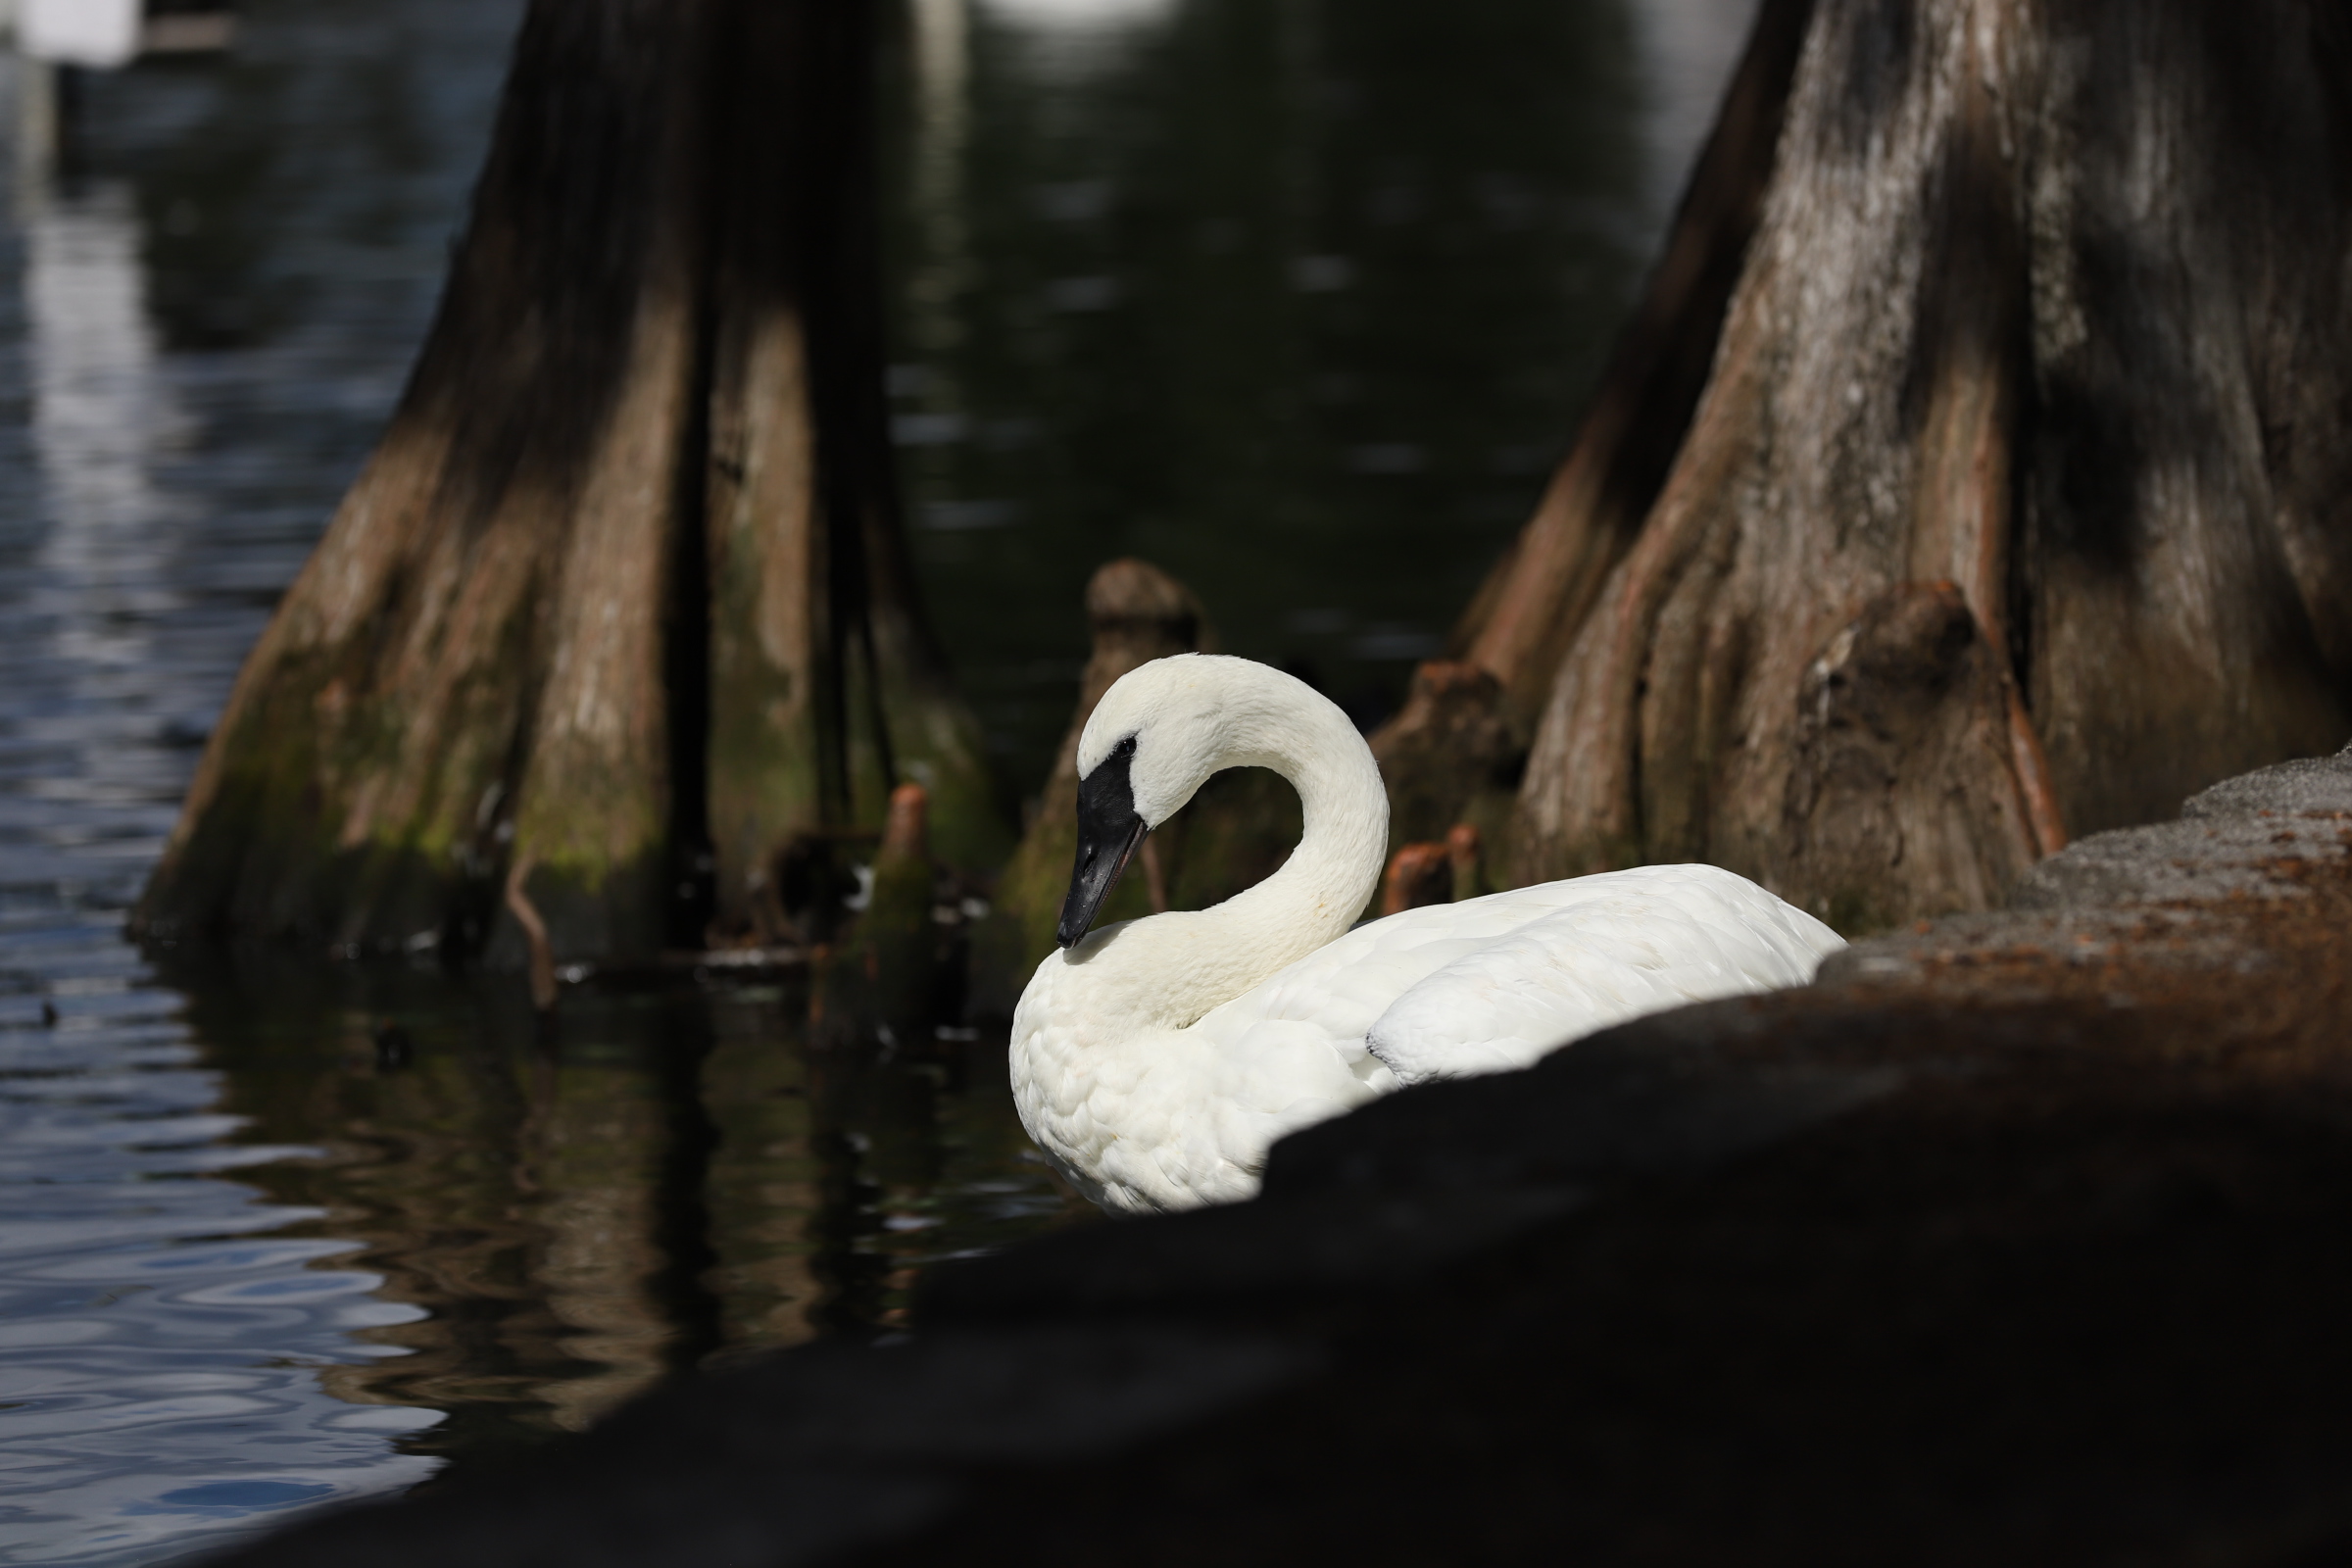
{"x": 1610, "y": 949}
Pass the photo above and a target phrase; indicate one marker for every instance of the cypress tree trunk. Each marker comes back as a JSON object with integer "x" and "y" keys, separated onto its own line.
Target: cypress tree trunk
{"x": 2013, "y": 499}
{"x": 620, "y": 609}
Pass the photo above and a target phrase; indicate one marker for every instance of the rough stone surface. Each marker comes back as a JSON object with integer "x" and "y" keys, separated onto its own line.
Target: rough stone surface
{"x": 2017, "y": 1238}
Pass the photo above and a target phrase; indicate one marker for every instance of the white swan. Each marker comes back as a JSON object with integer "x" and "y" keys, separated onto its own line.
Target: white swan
{"x": 1157, "y": 1060}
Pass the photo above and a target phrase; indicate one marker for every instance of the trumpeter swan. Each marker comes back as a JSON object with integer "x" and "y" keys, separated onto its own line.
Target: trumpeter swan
{"x": 1157, "y": 1060}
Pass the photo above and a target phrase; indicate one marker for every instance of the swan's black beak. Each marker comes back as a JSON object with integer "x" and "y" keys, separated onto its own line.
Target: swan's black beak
{"x": 1109, "y": 831}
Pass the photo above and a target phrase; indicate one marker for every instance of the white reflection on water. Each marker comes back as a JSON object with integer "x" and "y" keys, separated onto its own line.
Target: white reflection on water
{"x": 942, "y": 50}
{"x": 87, "y": 32}
{"x": 1068, "y": 13}
{"x": 1072, "y": 40}
{"x": 97, "y": 406}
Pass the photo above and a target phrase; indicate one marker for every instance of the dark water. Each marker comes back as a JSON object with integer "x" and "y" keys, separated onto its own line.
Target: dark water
{"x": 1297, "y": 299}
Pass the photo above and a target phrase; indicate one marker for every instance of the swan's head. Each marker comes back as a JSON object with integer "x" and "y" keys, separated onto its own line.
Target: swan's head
{"x": 1155, "y": 739}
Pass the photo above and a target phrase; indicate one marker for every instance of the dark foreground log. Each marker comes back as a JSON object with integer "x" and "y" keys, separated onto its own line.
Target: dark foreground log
{"x": 1977, "y": 471}
{"x": 621, "y": 609}
{"x": 2018, "y": 1239}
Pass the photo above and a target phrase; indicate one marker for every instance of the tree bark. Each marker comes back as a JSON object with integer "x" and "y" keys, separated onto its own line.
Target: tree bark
{"x": 620, "y": 607}
{"x": 2014, "y": 500}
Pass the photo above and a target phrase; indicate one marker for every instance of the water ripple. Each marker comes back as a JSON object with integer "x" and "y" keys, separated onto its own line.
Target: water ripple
{"x": 164, "y": 1344}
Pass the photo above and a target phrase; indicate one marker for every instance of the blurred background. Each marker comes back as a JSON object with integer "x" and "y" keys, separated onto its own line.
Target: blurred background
{"x": 1298, "y": 298}
{"x": 1298, "y": 301}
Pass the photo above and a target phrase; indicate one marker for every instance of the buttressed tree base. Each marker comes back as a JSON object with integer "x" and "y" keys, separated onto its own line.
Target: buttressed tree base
{"x": 619, "y": 611}
{"x": 1978, "y": 470}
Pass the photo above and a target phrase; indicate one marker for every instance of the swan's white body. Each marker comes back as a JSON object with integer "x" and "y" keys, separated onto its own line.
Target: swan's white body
{"x": 1159, "y": 1059}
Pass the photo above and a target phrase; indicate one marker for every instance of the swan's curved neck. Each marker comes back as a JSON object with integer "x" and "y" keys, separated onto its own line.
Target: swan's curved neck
{"x": 1176, "y": 967}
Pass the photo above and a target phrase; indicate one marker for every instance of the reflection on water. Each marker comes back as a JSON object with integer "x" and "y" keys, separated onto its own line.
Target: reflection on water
{"x": 97, "y": 407}
{"x": 1687, "y": 49}
{"x": 1298, "y": 299}
{"x": 565, "y": 1213}
{"x": 1078, "y": 15}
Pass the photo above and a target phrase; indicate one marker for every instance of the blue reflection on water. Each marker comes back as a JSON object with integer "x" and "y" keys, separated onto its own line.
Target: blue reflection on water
{"x": 230, "y": 1500}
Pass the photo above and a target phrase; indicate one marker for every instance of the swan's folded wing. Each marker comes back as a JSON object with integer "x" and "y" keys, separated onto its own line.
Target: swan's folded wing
{"x": 1639, "y": 943}
{"x": 1346, "y": 985}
